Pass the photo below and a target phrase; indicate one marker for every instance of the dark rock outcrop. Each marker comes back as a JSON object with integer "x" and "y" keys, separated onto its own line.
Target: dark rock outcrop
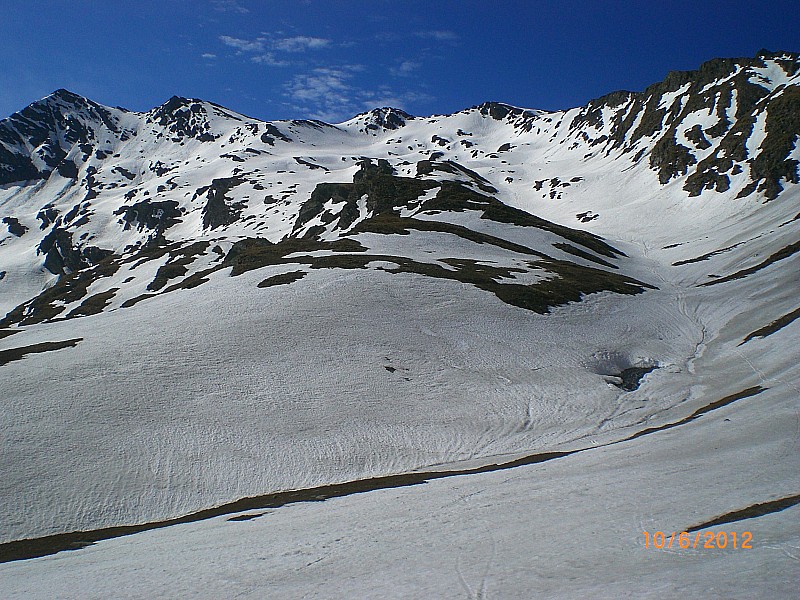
{"x": 14, "y": 226}
{"x": 63, "y": 257}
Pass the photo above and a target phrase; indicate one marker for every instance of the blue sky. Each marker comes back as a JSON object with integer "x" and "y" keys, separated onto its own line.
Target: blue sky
{"x": 332, "y": 59}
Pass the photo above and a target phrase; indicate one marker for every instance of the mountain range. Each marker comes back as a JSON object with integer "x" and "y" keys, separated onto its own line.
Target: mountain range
{"x": 201, "y": 307}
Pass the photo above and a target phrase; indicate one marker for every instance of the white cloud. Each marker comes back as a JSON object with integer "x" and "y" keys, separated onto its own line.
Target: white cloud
{"x": 268, "y": 58}
{"x": 256, "y": 45}
{"x": 300, "y": 43}
{"x": 440, "y": 35}
{"x": 328, "y": 94}
{"x": 266, "y": 47}
{"x": 405, "y": 68}
{"x": 323, "y": 85}
{"x": 229, "y": 6}
{"x": 208, "y": 55}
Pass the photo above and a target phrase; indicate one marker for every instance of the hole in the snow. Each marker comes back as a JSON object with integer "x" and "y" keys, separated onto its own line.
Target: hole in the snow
{"x": 620, "y": 369}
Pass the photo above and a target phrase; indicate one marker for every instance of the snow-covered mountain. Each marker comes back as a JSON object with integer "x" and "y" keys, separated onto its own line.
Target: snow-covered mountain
{"x": 202, "y": 307}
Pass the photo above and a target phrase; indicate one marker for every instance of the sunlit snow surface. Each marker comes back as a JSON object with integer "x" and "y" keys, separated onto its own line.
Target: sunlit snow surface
{"x": 202, "y": 396}
{"x": 253, "y": 390}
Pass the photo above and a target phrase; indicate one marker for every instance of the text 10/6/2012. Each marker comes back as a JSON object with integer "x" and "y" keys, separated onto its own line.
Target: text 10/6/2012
{"x": 708, "y": 539}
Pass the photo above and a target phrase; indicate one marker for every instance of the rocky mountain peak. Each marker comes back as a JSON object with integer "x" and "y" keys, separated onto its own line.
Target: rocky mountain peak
{"x": 183, "y": 117}
{"x": 66, "y": 96}
{"x": 176, "y": 105}
{"x": 500, "y": 111}
{"x": 36, "y": 140}
{"x": 381, "y": 119}
{"x": 521, "y": 118}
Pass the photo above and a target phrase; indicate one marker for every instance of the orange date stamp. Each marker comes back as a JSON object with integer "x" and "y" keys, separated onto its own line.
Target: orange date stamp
{"x": 698, "y": 539}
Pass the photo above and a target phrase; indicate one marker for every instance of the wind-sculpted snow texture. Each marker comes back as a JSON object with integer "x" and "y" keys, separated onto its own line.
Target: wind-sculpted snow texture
{"x": 202, "y": 307}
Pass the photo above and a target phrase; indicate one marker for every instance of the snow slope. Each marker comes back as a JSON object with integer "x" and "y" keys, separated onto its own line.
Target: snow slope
{"x": 202, "y": 307}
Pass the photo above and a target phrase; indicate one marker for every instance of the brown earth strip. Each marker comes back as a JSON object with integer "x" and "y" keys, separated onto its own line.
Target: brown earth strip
{"x": 12, "y": 354}
{"x": 705, "y": 256}
{"x": 777, "y": 324}
{"x": 701, "y": 411}
{"x": 779, "y": 255}
{"x": 751, "y": 512}
{"x": 94, "y": 304}
{"x": 570, "y": 249}
{"x": 51, "y": 544}
{"x": 572, "y": 281}
{"x": 282, "y": 279}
